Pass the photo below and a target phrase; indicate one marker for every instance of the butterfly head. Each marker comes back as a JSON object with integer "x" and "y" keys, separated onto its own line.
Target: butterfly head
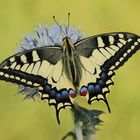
{"x": 68, "y": 34}
{"x": 67, "y": 42}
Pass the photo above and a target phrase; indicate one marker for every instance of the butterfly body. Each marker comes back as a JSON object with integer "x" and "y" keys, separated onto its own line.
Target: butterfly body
{"x": 61, "y": 72}
{"x": 71, "y": 64}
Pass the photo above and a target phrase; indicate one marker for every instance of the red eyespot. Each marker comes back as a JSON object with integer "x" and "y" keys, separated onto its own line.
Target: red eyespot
{"x": 83, "y": 93}
{"x": 72, "y": 93}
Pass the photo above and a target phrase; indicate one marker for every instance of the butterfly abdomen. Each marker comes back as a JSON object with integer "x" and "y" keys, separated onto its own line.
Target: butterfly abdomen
{"x": 73, "y": 70}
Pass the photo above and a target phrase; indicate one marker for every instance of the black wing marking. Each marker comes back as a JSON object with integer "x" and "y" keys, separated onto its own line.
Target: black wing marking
{"x": 21, "y": 78}
{"x": 106, "y": 53}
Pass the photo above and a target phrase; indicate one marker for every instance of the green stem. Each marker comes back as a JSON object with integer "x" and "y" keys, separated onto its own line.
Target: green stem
{"x": 76, "y": 113}
{"x": 77, "y": 126}
{"x": 78, "y": 131}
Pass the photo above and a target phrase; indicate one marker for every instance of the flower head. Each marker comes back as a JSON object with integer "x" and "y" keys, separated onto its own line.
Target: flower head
{"x": 49, "y": 36}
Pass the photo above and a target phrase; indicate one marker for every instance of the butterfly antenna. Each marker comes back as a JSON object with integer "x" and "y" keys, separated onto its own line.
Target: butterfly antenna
{"x": 59, "y": 25}
{"x": 68, "y": 20}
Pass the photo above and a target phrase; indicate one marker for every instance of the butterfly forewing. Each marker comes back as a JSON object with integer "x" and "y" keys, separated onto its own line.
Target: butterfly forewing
{"x": 40, "y": 61}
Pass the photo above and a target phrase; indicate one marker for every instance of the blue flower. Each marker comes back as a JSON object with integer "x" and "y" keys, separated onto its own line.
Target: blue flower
{"x": 49, "y": 36}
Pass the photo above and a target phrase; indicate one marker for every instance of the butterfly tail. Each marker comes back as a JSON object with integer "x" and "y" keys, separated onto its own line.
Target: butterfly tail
{"x": 107, "y": 104}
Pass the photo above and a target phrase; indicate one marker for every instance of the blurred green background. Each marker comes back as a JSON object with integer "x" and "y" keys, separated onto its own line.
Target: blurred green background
{"x": 36, "y": 120}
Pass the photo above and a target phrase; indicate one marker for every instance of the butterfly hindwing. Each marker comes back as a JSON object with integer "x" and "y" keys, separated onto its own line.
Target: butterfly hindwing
{"x": 100, "y": 56}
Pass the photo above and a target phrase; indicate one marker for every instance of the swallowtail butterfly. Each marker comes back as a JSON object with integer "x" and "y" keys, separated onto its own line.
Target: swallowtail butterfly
{"x": 61, "y": 72}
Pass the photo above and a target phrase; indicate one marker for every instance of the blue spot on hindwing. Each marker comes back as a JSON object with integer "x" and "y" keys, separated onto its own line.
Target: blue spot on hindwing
{"x": 53, "y": 93}
{"x": 58, "y": 97}
{"x": 97, "y": 88}
{"x": 91, "y": 88}
{"x": 47, "y": 88}
{"x": 101, "y": 82}
{"x": 104, "y": 76}
{"x": 65, "y": 93}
